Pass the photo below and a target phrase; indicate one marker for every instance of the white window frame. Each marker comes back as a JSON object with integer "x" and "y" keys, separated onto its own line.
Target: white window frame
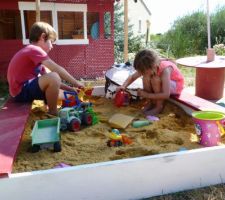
{"x": 54, "y": 8}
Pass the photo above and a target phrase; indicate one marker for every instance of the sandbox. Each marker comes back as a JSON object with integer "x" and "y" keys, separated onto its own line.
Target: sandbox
{"x": 140, "y": 170}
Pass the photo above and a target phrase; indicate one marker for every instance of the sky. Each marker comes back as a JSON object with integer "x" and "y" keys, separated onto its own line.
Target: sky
{"x": 165, "y": 12}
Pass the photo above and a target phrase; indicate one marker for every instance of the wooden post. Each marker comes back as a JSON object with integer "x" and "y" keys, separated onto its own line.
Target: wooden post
{"x": 210, "y": 52}
{"x": 147, "y": 32}
{"x": 38, "y": 15}
{"x": 125, "y": 30}
{"x": 208, "y": 26}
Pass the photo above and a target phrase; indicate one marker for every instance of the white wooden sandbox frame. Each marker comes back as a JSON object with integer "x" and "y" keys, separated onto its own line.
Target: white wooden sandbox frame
{"x": 134, "y": 178}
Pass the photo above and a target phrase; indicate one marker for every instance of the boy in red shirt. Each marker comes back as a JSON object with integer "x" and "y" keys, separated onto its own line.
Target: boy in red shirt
{"x": 24, "y": 83}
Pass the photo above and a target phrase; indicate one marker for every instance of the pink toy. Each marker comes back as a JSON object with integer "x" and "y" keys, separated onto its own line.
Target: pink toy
{"x": 209, "y": 127}
{"x": 152, "y": 118}
{"x": 62, "y": 165}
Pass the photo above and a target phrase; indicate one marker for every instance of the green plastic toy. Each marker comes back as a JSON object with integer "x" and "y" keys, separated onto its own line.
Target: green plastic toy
{"x": 95, "y": 118}
{"x": 46, "y": 134}
{"x": 140, "y": 123}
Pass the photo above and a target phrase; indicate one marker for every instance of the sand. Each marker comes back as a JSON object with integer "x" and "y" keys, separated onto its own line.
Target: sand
{"x": 174, "y": 131}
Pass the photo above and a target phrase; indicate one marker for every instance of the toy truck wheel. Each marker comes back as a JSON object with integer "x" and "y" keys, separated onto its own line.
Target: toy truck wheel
{"x": 57, "y": 147}
{"x": 63, "y": 125}
{"x": 87, "y": 119}
{"x": 108, "y": 143}
{"x": 74, "y": 125}
{"x": 111, "y": 143}
{"x": 35, "y": 148}
{"x": 118, "y": 143}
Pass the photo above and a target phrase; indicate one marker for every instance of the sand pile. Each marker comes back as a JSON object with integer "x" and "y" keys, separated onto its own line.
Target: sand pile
{"x": 174, "y": 130}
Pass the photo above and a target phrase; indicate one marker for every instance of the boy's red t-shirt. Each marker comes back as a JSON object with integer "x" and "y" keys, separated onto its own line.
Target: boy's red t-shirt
{"x": 25, "y": 65}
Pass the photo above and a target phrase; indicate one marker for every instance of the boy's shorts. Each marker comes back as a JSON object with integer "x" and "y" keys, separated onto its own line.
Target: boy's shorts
{"x": 30, "y": 91}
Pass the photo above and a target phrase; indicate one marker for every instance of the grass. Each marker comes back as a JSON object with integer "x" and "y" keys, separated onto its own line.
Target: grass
{"x": 189, "y": 74}
{"x": 208, "y": 193}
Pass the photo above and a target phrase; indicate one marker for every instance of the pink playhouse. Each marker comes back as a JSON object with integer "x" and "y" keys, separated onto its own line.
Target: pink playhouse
{"x": 85, "y": 44}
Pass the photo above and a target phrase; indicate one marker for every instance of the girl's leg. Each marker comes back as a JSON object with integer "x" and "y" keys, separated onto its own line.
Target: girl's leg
{"x": 157, "y": 87}
{"x": 50, "y": 84}
{"x": 148, "y": 88}
{"x": 147, "y": 84}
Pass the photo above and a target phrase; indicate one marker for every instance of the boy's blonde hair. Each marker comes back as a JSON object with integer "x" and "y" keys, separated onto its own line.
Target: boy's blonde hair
{"x": 146, "y": 59}
{"x": 42, "y": 27}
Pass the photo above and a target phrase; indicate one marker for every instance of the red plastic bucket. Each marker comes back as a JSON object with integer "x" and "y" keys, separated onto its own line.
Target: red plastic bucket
{"x": 122, "y": 98}
{"x": 209, "y": 127}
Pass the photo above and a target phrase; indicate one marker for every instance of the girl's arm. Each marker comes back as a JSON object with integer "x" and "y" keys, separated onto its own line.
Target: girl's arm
{"x": 165, "y": 92}
{"x": 52, "y": 66}
{"x": 129, "y": 80}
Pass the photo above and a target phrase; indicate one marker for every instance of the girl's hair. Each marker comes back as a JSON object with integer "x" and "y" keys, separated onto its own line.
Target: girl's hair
{"x": 41, "y": 27}
{"x": 145, "y": 59}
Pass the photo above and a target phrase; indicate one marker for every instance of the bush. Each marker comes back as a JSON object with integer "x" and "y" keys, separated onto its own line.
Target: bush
{"x": 188, "y": 35}
{"x": 134, "y": 42}
{"x": 219, "y": 49}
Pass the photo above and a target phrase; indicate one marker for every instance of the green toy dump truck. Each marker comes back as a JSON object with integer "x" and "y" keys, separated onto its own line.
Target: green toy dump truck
{"x": 46, "y": 134}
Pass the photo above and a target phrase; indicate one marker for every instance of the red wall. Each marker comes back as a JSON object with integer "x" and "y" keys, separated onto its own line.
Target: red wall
{"x": 82, "y": 61}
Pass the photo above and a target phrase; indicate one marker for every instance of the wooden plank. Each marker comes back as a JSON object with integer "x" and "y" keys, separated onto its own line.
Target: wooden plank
{"x": 197, "y": 103}
{"x": 13, "y": 117}
{"x": 134, "y": 178}
{"x": 187, "y": 109}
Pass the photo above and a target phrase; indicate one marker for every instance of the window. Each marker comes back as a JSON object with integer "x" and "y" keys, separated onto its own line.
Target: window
{"x": 107, "y": 25}
{"x": 69, "y": 20}
{"x": 93, "y": 25}
{"x": 10, "y": 25}
{"x": 30, "y": 18}
{"x": 70, "y": 25}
